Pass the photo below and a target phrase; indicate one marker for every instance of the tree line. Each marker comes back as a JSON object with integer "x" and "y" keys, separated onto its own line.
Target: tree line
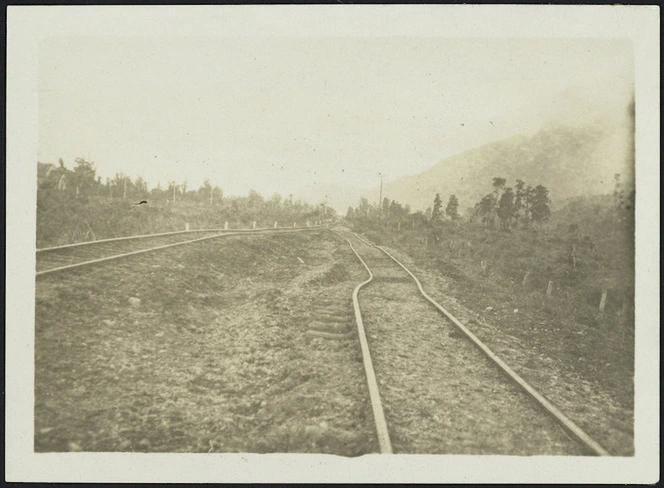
{"x": 511, "y": 207}
{"x": 507, "y": 206}
{"x": 59, "y": 185}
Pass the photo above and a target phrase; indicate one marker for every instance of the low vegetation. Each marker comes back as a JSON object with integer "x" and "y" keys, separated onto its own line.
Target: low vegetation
{"x": 570, "y": 271}
{"x": 75, "y": 205}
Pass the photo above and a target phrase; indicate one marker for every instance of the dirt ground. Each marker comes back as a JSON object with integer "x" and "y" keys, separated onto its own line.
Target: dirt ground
{"x": 220, "y": 355}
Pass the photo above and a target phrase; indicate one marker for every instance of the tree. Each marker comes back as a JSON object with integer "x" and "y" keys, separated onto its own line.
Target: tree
{"x": 486, "y": 209}
{"x": 173, "y": 190}
{"x": 527, "y": 204}
{"x": 519, "y": 200}
{"x": 539, "y": 204}
{"x": 498, "y": 185}
{"x": 349, "y": 213}
{"x": 363, "y": 208}
{"x": 427, "y": 214}
{"x": 83, "y": 177}
{"x": 206, "y": 192}
{"x": 275, "y": 200}
{"x": 255, "y": 200}
{"x": 505, "y": 210}
{"x": 141, "y": 187}
{"x": 385, "y": 207}
{"x": 452, "y": 209}
{"x": 435, "y": 213}
{"x": 217, "y": 194}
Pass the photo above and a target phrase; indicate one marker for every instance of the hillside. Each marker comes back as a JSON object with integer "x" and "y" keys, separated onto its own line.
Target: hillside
{"x": 570, "y": 161}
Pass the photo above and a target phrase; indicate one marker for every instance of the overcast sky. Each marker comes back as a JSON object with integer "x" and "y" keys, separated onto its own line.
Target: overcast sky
{"x": 276, "y": 114}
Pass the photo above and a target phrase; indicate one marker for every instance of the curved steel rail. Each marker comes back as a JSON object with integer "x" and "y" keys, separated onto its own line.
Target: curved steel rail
{"x": 382, "y": 431}
{"x": 165, "y": 246}
{"x": 567, "y": 423}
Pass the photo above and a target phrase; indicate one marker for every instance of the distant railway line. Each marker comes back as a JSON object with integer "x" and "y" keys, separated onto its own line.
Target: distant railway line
{"x": 390, "y": 281}
{"x": 72, "y": 256}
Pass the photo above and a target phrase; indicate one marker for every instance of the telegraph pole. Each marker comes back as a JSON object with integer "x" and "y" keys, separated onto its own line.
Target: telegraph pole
{"x": 380, "y": 198}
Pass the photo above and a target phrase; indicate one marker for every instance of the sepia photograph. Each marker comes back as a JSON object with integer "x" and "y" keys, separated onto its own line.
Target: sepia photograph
{"x": 269, "y": 236}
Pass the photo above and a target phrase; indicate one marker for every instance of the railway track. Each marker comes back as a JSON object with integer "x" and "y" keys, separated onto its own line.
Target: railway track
{"x": 63, "y": 258}
{"x": 434, "y": 387}
{"x": 454, "y": 396}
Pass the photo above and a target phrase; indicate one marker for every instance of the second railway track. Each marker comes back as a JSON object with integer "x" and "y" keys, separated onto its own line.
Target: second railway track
{"x": 62, "y": 258}
{"x": 435, "y": 388}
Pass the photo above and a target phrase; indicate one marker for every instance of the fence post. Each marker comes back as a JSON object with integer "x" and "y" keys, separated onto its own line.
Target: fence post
{"x": 186, "y": 226}
{"x": 602, "y": 302}
{"x": 525, "y": 278}
{"x": 254, "y": 224}
{"x": 275, "y": 224}
{"x": 549, "y": 289}
{"x": 226, "y": 225}
{"x": 623, "y": 309}
{"x": 293, "y": 224}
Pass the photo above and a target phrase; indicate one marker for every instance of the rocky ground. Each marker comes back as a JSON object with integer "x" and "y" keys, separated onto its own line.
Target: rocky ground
{"x": 213, "y": 347}
{"x": 247, "y": 344}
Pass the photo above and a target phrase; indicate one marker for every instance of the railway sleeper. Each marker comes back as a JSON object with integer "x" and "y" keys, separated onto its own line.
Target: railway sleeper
{"x": 342, "y": 315}
{"x": 392, "y": 279}
{"x": 329, "y": 327}
{"x": 329, "y": 335}
{"x": 330, "y": 318}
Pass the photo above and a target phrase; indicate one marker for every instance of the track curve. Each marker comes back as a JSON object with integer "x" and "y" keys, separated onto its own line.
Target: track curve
{"x": 389, "y": 277}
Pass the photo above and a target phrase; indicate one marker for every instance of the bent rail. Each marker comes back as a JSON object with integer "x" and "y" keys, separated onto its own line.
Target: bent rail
{"x": 567, "y": 423}
{"x": 382, "y": 431}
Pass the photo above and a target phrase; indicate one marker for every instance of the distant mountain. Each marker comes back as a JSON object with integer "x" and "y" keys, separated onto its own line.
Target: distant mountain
{"x": 570, "y": 161}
